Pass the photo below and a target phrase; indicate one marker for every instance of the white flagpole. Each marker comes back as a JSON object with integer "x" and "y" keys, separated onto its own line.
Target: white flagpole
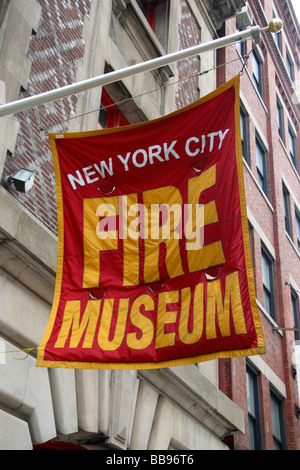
{"x": 52, "y": 95}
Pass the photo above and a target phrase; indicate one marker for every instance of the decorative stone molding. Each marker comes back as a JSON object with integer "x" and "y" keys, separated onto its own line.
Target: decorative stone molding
{"x": 25, "y": 17}
{"x": 213, "y": 409}
{"x": 14, "y": 433}
{"x": 25, "y": 392}
{"x": 165, "y": 409}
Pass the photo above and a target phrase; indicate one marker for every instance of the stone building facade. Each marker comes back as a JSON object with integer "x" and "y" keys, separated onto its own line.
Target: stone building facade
{"x": 60, "y": 42}
{"x": 189, "y": 407}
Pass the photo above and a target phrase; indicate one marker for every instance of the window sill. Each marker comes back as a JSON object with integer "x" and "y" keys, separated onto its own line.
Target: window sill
{"x": 169, "y": 69}
{"x": 292, "y": 243}
{"x": 268, "y": 316}
{"x": 256, "y": 91}
{"x": 255, "y": 181}
{"x": 289, "y": 158}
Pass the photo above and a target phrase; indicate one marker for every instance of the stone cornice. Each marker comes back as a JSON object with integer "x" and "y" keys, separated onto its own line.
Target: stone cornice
{"x": 211, "y": 407}
{"x": 282, "y": 76}
{"x": 291, "y": 25}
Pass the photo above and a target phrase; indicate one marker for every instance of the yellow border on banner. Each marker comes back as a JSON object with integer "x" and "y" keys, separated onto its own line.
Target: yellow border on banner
{"x": 60, "y": 256}
{"x": 243, "y": 206}
{"x": 260, "y": 349}
{"x": 151, "y": 365}
{"x": 112, "y": 130}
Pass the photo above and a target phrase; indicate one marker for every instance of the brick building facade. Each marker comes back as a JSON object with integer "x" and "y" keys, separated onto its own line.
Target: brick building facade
{"x": 55, "y": 50}
{"x": 69, "y": 40}
{"x": 270, "y": 124}
{"x": 65, "y": 41}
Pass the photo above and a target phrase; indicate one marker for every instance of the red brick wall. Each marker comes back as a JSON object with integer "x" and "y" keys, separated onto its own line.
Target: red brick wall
{"x": 55, "y": 52}
{"x": 270, "y": 218}
{"x": 189, "y": 35}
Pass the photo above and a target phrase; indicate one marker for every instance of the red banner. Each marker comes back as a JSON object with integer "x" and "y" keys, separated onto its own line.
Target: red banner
{"x": 154, "y": 264}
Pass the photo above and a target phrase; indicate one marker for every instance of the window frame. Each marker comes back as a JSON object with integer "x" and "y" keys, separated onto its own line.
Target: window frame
{"x": 280, "y": 121}
{"x": 257, "y": 79}
{"x": 115, "y": 117}
{"x": 287, "y": 210}
{"x": 292, "y": 146}
{"x": 295, "y": 310}
{"x": 290, "y": 65}
{"x": 262, "y": 177}
{"x": 279, "y": 441}
{"x": 148, "y": 11}
{"x": 158, "y": 23}
{"x": 241, "y": 45}
{"x": 278, "y": 40}
{"x": 254, "y": 416}
{"x": 297, "y": 221}
{"x": 268, "y": 284}
{"x": 251, "y": 236}
{"x": 244, "y": 133}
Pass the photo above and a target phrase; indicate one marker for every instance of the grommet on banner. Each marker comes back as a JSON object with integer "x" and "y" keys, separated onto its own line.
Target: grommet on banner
{"x": 97, "y": 294}
{"x": 156, "y": 286}
{"x": 213, "y": 273}
{"x": 106, "y": 187}
{"x": 199, "y": 166}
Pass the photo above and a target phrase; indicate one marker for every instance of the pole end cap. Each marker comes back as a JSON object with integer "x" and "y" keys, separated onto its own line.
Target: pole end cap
{"x": 275, "y": 25}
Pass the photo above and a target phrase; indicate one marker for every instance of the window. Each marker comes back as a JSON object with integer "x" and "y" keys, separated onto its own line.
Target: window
{"x": 156, "y": 12}
{"x": 257, "y": 72}
{"x": 244, "y": 134}
{"x": 103, "y": 116}
{"x": 297, "y": 217}
{"x": 292, "y": 147}
{"x": 286, "y": 204}
{"x": 280, "y": 120}
{"x": 250, "y": 230}
{"x": 254, "y": 417}
{"x": 261, "y": 166}
{"x": 277, "y": 36}
{"x": 278, "y": 40}
{"x": 148, "y": 8}
{"x": 278, "y": 424}
{"x": 241, "y": 45}
{"x": 268, "y": 283}
{"x": 3, "y": 9}
{"x": 295, "y": 309}
{"x": 290, "y": 66}
{"x": 110, "y": 115}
